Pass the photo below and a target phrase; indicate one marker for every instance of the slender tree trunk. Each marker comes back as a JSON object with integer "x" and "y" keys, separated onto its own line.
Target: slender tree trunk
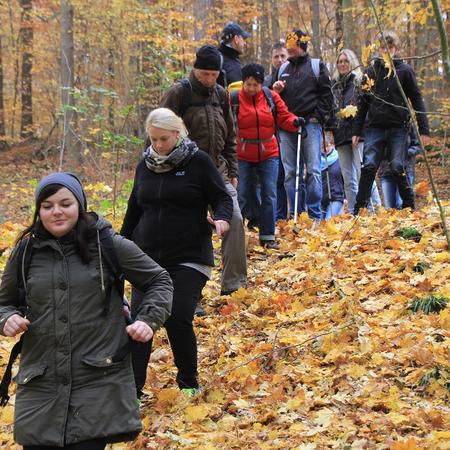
{"x": 339, "y": 24}
{"x": 264, "y": 33}
{"x": 315, "y": 25}
{"x": 26, "y": 43}
{"x": 443, "y": 37}
{"x": 347, "y": 23}
{"x": 67, "y": 82}
{"x": 200, "y": 9}
{"x": 3, "y": 144}
{"x": 275, "y": 22}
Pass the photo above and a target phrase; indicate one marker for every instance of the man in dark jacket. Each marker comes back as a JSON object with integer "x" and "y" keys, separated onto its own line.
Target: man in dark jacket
{"x": 232, "y": 45}
{"x": 209, "y": 121}
{"x": 279, "y": 56}
{"x": 388, "y": 122}
{"x": 304, "y": 85}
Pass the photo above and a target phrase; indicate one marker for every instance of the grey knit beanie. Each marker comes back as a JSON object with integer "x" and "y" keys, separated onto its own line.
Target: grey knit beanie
{"x": 66, "y": 179}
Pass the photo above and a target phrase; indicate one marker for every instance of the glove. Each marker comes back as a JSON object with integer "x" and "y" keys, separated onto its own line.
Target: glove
{"x": 299, "y": 122}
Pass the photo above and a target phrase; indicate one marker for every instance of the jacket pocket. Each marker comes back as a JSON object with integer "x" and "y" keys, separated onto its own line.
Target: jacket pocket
{"x": 104, "y": 362}
{"x": 30, "y": 373}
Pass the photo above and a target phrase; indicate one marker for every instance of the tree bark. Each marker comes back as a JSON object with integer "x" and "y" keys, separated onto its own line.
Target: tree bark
{"x": 443, "y": 37}
{"x": 347, "y": 23}
{"x": 275, "y": 21}
{"x": 315, "y": 25}
{"x": 3, "y": 144}
{"x": 26, "y": 43}
{"x": 67, "y": 82}
{"x": 264, "y": 34}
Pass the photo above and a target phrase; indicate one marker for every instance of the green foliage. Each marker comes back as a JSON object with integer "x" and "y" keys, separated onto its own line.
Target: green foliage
{"x": 409, "y": 233}
{"x": 429, "y": 304}
{"x": 436, "y": 373}
{"x": 421, "y": 266}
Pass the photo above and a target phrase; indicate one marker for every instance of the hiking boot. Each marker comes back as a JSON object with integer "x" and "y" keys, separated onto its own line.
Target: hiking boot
{"x": 191, "y": 392}
{"x": 272, "y": 245}
{"x": 227, "y": 292}
{"x": 252, "y": 225}
{"x": 199, "y": 311}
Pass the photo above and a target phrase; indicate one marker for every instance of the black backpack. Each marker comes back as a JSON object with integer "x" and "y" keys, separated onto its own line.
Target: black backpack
{"x": 24, "y": 255}
{"x": 234, "y": 98}
{"x": 186, "y": 101}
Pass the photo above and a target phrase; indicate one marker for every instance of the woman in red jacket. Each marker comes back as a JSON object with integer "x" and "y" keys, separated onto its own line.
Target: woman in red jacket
{"x": 258, "y": 146}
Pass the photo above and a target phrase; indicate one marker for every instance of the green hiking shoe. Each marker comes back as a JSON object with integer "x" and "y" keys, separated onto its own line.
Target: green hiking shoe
{"x": 190, "y": 392}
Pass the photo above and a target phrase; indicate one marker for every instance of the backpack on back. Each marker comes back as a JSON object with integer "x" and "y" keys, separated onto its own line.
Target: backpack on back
{"x": 234, "y": 99}
{"x": 186, "y": 101}
{"x": 24, "y": 256}
{"x": 315, "y": 66}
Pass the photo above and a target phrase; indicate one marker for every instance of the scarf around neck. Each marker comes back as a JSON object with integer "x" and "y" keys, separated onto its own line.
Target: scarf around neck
{"x": 179, "y": 156}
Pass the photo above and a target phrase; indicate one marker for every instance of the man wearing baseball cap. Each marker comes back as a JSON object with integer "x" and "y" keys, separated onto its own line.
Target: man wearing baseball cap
{"x": 232, "y": 45}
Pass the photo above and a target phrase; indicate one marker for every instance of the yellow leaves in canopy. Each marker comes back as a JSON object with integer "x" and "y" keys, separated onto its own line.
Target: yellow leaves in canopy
{"x": 196, "y": 413}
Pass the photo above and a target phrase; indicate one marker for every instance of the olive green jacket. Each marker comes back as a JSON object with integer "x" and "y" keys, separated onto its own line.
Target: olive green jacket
{"x": 209, "y": 122}
{"x": 75, "y": 379}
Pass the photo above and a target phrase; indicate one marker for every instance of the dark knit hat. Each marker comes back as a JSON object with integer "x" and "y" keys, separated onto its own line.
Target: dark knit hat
{"x": 299, "y": 37}
{"x": 232, "y": 29}
{"x": 253, "y": 70}
{"x": 208, "y": 58}
{"x": 66, "y": 179}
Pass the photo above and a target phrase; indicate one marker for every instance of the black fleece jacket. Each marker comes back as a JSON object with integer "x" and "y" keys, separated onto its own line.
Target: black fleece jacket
{"x": 384, "y": 103}
{"x": 304, "y": 94}
{"x": 231, "y": 68}
{"x": 166, "y": 214}
{"x": 346, "y": 91}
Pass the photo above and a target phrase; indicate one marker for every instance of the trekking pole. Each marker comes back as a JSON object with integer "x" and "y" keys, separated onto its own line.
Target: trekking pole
{"x": 297, "y": 177}
{"x": 327, "y": 173}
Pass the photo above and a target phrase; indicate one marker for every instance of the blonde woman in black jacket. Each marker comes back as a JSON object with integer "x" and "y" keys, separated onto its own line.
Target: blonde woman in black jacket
{"x": 167, "y": 216}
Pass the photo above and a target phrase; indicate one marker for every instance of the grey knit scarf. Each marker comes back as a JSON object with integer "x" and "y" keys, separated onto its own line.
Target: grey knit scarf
{"x": 178, "y": 156}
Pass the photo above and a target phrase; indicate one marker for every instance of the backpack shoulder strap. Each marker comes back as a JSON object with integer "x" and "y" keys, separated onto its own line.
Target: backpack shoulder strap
{"x": 24, "y": 253}
{"x": 234, "y": 98}
{"x": 109, "y": 256}
{"x": 187, "y": 96}
{"x": 315, "y": 66}
{"x": 282, "y": 68}
{"x": 223, "y": 98}
{"x": 271, "y": 103}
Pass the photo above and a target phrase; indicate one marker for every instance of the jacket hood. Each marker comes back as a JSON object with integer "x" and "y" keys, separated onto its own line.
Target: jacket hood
{"x": 101, "y": 222}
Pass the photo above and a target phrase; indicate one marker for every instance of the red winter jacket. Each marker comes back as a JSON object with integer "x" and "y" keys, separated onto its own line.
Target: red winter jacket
{"x": 255, "y": 122}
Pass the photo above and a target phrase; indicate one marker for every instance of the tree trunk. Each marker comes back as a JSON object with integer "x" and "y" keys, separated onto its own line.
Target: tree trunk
{"x": 200, "y": 9}
{"x": 443, "y": 37}
{"x": 3, "y": 144}
{"x": 339, "y": 33}
{"x": 264, "y": 34}
{"x": 275, "y": 22}
{"x": 26, "y": 43}
{"x": 347, "y": 23}
{"x": 67, "y": 82}
{"x": 315, "y": 25}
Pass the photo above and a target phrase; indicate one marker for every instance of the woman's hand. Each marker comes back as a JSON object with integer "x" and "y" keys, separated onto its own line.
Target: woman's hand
{"x": 221, "y": 226}
{"x": 15, "y": 324}
{"x": 139, "y": 331}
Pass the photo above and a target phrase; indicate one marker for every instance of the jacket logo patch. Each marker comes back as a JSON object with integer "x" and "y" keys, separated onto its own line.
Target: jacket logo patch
{"x": 180, "y": 173}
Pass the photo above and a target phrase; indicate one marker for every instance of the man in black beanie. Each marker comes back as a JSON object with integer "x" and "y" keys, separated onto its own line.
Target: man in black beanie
{"x": 204, "y": 107}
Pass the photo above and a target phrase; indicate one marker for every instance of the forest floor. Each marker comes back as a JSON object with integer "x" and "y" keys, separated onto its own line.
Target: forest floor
{"x": 323, "y": 349}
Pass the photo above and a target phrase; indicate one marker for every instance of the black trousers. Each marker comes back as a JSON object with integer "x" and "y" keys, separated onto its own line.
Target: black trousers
{"x": 392, "y": 144}
{"x": 93, "y": 444}
{"x": 187, "y": 284}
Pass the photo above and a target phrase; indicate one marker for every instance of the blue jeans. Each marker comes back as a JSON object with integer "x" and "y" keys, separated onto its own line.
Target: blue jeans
{"x": 391, "y": 196}
{"x": 267, "y": 172}
{"x": 309, "y": 157}
{"x": 334, "y": 208}
{"x": 350, "y": 162}
{"x": 392, "y": 144}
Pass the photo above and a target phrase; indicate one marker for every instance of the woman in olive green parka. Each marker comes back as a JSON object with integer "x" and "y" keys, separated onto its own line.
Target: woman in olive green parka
{"x": 75, "y": 384}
